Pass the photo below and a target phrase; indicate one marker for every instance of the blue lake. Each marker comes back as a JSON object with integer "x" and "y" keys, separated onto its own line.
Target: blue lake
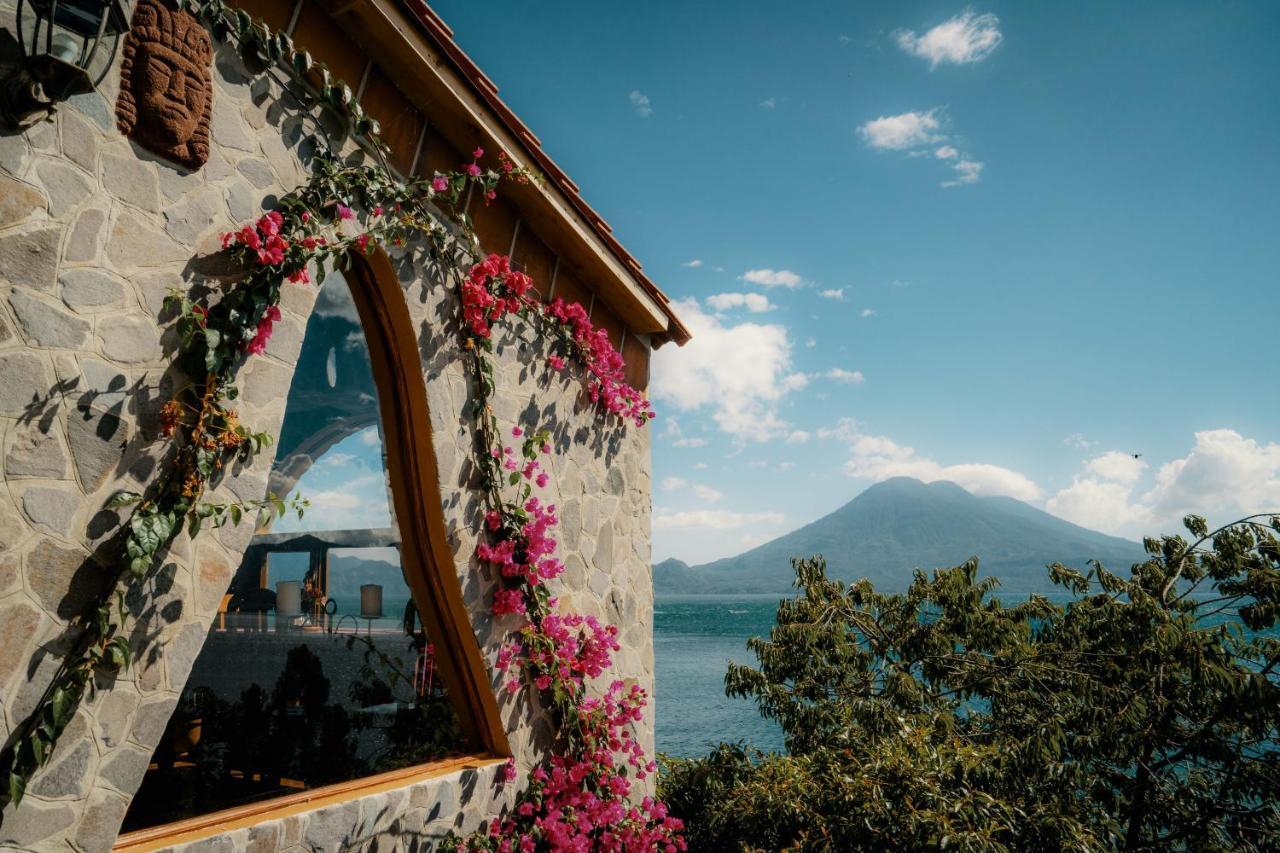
{"x": 694, "y": 638}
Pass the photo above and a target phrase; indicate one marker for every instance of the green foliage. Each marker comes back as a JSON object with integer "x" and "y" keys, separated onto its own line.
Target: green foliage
{"x": 1142, "y": 713}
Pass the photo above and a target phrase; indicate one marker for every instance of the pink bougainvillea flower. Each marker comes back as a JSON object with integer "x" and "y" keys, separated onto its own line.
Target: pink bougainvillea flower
{"x": 473, "y": 170}
{"x": 345, "y": 212}
{"x": 478, "y": 153}
{"x": 439, "y": 183}
{"x": 262, "y": 336}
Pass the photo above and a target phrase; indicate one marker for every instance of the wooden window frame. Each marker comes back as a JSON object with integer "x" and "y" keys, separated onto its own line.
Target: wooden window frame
{"x": 425, "y": 555}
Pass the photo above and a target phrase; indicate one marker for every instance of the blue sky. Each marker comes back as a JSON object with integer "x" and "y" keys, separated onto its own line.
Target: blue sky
{"x": 1104, "y": 283}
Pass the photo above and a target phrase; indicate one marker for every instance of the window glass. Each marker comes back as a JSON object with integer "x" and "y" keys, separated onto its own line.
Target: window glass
{"x": 317, "y": 668}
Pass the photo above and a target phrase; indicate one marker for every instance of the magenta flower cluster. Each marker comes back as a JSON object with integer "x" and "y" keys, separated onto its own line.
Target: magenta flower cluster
{"x": 581, "y": 800}
{"x": 493, "y": 290}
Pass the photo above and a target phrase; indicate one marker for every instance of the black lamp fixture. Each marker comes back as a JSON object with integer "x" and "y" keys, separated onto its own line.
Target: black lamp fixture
{"x": 57, "y": 52}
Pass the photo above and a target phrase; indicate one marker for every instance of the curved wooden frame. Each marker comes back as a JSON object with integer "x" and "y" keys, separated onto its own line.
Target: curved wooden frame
{"x": 411, "y": 462}
{"x": 424, "y": 553}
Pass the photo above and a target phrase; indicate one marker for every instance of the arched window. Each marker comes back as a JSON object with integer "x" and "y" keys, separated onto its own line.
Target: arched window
{"x": 341, "y": 650}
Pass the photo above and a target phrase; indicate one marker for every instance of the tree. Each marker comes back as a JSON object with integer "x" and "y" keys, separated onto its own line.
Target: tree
{"x": 1138, "y": 713}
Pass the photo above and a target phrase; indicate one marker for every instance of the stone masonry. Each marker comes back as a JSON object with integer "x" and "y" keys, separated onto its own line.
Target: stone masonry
{"x": 93, "y": 232}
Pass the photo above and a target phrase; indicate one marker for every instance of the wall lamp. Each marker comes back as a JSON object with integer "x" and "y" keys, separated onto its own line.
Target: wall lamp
{"x": 53, "y": 55}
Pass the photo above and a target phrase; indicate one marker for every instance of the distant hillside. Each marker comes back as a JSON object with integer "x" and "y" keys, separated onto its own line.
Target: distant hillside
{"x": 901, "y": 524}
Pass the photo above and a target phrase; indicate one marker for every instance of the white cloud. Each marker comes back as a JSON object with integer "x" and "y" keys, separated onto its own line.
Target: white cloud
{"x": 810, "y": 342}
{"x": 877, "y": 457}
{"x": 756, "y": 303}
{"x": 968, "y": 37}
{"x": 701, "y": 466}
{"x": 798, "y": 436}
{"x": 1101, "y": 505}
{"x": 1078, "y": 441}
{"x": 1225, "y": 476}
{"x": 693, "y": 264}
{"x": 896, "y": 133}
{"x": 915, "y": 129}
{"x": 967, "y": 172}
{"x": 740, "y": 372}
{"x": 713, "y": 519}
{"x": 703, "y": 492}
{"x": 867, "y": 312}
{"x": 334, "y": 460}
{"x": 772, "y": 278}
{"x": 769, "y": 103}
{"x": 674, "y": 432}
{"x": 794, "y": 382}
{"x": 836, "y": 294}
{"x": 1120, "y": 467}
{"x": 360, "y": 502}
{"x": 369, "y": 437}
{"x": 707, "y": 493}
{"x": 849, "y": 377}
{"x": 641, "y": 103}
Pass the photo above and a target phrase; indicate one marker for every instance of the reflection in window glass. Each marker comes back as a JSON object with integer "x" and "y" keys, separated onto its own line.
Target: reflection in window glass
{"x": 317, "y": 668}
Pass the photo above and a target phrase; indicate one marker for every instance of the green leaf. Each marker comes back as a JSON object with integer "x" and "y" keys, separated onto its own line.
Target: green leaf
{"x": 236, "y": 513}
{"x": 144, "y": 533}
{"x": 303, "y": 62}
{"x": 17, "y": 786}
{"x": 60, "y": 705}
{"x": 121, "y": 644}
{"x": 123, "y": 498}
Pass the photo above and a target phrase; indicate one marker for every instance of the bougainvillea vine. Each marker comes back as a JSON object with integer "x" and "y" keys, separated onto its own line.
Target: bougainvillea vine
{"x": 581, "y": 797}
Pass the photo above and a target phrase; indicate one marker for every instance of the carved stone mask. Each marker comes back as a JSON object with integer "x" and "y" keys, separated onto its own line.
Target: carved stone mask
{"x": 166, "y": 89}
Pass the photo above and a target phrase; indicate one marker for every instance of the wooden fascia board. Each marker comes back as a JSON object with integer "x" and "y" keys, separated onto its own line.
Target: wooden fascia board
{"x": 460, "y": 116}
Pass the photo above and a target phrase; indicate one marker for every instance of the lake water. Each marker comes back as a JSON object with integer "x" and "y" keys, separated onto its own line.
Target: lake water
{"x": 694, "y": 638}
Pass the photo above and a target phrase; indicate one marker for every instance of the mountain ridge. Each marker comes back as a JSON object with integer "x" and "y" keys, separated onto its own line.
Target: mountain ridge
{"x": 899, "y": 524}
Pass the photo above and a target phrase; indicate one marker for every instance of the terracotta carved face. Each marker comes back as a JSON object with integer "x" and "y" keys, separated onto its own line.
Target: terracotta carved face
{"x": 166, "y": 89}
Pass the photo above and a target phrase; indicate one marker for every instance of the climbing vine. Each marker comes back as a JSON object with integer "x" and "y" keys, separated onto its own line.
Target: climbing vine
{"x": 581, "y": 796}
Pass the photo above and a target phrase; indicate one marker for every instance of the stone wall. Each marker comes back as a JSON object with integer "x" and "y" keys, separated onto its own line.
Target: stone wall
{"x": 93, "y": 232}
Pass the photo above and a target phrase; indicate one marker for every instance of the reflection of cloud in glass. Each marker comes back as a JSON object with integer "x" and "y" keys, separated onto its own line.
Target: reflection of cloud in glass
{"x": 346, "y": 486}
{"x": 333, "y": 459}
{"x": 334, "y": 300}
